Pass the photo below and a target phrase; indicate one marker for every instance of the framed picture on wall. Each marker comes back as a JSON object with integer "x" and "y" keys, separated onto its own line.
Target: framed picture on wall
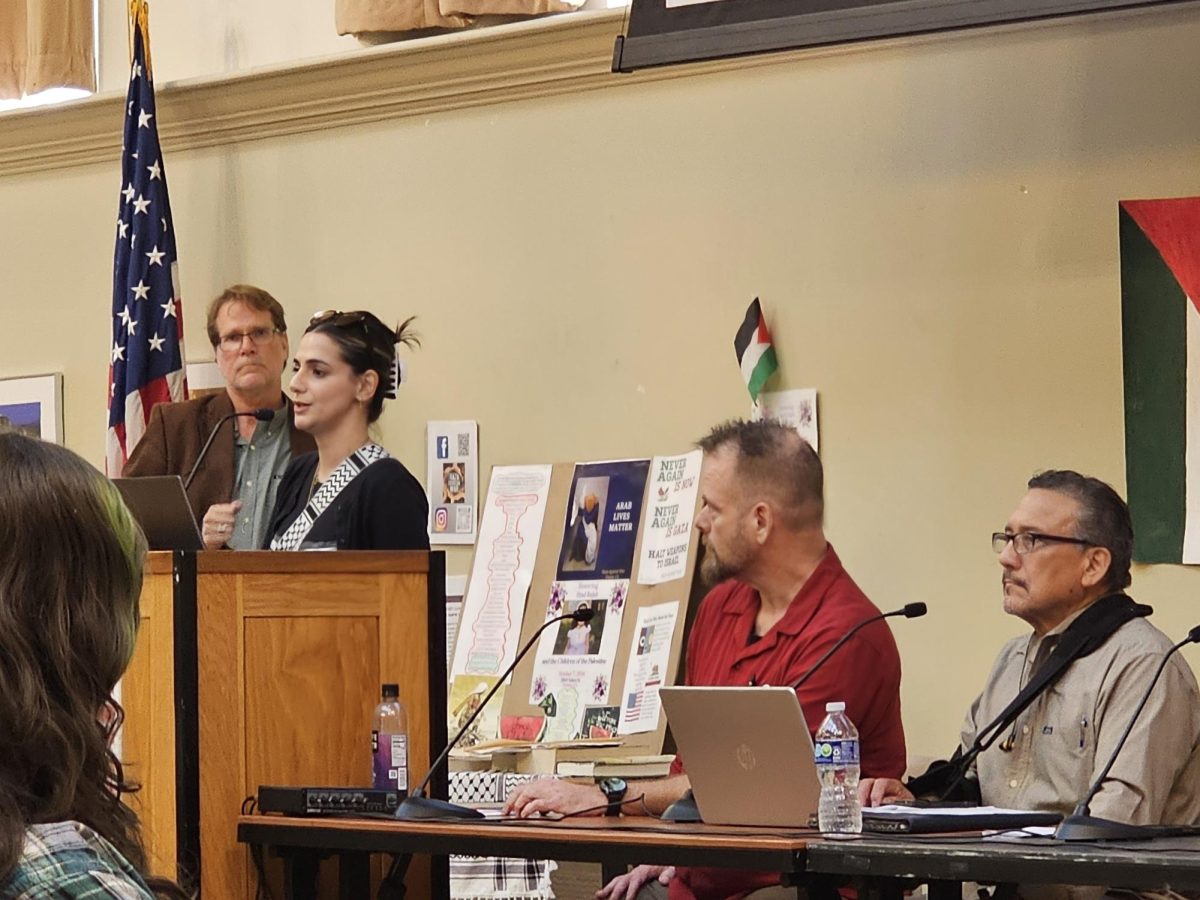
{"x": 33, "y": 406}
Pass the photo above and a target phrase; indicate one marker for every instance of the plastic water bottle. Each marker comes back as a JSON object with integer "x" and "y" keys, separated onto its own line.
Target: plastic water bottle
{"x": 389, "y": 742}
{"x": 836, "y": 748}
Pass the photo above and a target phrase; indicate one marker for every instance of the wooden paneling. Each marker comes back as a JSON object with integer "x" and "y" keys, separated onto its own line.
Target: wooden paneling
{"x": 222, "y": 725}
{"x": 292, "y": 649}
{"x": 310, "y": 687}
{"x": 148, "y": 737}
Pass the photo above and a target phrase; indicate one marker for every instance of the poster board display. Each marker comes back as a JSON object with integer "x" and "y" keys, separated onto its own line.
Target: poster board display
{"x": 634, "y": 642}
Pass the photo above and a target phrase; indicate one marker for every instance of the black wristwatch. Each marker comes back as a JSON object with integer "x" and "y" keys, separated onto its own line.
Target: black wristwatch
{"x": 614, "y": 790}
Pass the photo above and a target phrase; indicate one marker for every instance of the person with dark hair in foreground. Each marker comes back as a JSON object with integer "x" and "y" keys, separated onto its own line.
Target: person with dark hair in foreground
{"x": 1065, "y": 555}
{"x": 781, "y": 599}
{"x": 350, "y": 494}
{"x": 71, "y": 560}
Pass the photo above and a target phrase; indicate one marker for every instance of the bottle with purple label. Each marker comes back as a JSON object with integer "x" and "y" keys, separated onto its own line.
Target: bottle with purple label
{"x": 389, "y": 742}
{"x": 836, "y": 755}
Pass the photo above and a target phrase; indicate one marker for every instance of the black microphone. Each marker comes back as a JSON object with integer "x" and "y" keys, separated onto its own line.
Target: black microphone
{"x": 263, "y": 415}
{"x": 685, "y": 810}
{"x": 910, "y": 611}
{"x": 1081, "y": 825}
{"x": 416, "y": 805}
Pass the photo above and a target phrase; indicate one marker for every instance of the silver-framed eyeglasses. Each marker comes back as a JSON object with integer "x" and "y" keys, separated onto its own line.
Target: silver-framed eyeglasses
{"x": 232, "y": 342}
{"x": 1026, "y": 541}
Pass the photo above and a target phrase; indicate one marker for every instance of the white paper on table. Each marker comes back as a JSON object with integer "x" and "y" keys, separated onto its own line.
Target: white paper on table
{"x": 490, "y": 624}
{"x": 797, "y": 408}
{"x": 667, "y": 519}
{"x": 646, "y": 670}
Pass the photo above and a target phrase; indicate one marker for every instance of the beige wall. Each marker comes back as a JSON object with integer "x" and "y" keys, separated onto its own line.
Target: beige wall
{"x": 932, "y": 227}
{"x": 215, "y": 37}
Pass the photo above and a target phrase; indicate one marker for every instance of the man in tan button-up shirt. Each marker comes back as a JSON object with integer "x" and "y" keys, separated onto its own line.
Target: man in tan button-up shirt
{"x": 1068, "y": 544}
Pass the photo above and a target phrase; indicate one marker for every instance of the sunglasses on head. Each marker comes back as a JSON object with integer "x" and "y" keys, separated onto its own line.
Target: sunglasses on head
{"x": 337, "y": 318}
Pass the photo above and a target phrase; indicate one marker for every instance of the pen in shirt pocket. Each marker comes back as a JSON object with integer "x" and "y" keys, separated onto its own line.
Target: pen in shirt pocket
{"x": 1082, "y": 731}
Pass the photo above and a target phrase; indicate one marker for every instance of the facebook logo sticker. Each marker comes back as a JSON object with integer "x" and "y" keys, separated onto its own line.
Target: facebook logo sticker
{"x": 443, "y": 446}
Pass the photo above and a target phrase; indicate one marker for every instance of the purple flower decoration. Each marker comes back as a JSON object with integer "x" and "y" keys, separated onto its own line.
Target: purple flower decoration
{"x": 620, "y": 589}
{"x": 539, "y": 688}
{"x": 600, "y": 688}
{"x": 554, "y": 606}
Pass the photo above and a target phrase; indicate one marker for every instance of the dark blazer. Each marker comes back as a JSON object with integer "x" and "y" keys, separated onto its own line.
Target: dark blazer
{"x": 176, "y": 433}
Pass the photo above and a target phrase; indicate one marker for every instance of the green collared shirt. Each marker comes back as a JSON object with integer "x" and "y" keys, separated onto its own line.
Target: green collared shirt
{"x": 68, "y": 859}
{"x": 258, "y": 466}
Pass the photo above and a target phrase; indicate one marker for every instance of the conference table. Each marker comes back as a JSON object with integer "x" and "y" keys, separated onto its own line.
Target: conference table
{"x": 878, "y": 865}
{"x": 614, "y": 843}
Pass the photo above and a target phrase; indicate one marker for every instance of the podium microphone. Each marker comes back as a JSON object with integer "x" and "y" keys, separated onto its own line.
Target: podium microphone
{"x": 1081, "y": 825}
{"x": 909, "y": 611}
{"x": 263, "y": 415}
{"x": 416, "y": 805}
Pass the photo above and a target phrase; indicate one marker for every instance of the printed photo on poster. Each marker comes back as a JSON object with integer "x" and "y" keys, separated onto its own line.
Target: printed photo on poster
{"x": 582, "y": 543}
{"x": 466, "y": 697}
{"x": 581, "y": 638}
{"x": 33, "y": 406}
{"x": 599, "y": 722}
{"x": 603, "y": 513}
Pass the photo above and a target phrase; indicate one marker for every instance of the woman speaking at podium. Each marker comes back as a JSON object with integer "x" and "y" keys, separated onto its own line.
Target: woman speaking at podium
{"x": 350, "y": 494}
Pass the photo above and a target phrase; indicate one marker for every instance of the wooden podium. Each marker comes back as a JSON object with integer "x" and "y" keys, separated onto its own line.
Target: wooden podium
{"x": 259, "y": 668}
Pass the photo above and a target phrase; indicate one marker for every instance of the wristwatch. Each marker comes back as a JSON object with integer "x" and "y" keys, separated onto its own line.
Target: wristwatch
{"x": 614, "y": 790}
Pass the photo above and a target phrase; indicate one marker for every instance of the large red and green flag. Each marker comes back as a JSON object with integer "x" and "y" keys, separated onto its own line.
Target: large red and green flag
{"x": 755, "y": 352}
{"x": 1160, "y": 321}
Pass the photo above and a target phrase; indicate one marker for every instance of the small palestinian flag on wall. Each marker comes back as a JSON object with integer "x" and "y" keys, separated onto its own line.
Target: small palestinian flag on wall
{"x": 755, "y": 352}
{"x": 1160, "y": 323}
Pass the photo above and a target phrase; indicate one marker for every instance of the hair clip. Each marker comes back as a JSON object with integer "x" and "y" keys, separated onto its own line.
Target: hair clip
{"x": 394, "y": 376}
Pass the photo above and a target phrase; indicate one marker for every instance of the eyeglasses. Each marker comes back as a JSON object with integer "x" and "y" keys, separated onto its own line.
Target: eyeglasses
{"x": 1026, "y": 541}
{"x": 232, "y": 342}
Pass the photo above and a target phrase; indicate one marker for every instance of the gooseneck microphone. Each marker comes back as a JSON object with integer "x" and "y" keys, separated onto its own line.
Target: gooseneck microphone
{"x": 416, "y": 805}
{"x": 263, "y": 414}
{"x": 909, "y": 611}
{"x": 1081, "y": 825}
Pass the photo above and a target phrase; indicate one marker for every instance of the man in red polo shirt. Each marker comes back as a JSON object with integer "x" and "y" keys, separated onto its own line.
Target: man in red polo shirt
{"x": 781, "y": 600}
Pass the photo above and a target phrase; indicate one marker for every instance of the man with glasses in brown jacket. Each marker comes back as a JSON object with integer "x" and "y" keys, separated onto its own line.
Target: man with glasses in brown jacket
{"x": 234, "y": 488}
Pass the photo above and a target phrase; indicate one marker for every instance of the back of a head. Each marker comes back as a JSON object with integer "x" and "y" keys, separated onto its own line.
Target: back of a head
{"x": 1104, "y": 518}
{"x": 776, "y": 463}
{"x": 71, "y": 561}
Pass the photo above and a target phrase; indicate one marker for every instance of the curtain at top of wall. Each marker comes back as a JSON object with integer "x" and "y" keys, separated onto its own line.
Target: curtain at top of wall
{"x": 46, "y": 45}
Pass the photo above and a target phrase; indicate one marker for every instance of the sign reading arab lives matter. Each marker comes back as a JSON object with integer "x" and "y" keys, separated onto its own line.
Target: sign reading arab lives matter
{"x": 572, "y": 671}
{"x": 452, "y": 480}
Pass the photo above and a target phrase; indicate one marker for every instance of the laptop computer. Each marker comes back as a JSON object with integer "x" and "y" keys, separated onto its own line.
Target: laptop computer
{"x": 161, "y": 507}
{"x": 748, "y": 753}
{"x": 749, "y": 757}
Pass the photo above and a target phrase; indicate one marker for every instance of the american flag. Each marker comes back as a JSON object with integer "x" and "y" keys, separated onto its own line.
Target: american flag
{"x": 146, "y": 364}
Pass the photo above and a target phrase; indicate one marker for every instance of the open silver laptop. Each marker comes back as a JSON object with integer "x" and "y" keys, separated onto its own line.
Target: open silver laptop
{"x": 161, "y": 507}
{"x": 748, "y": 753}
